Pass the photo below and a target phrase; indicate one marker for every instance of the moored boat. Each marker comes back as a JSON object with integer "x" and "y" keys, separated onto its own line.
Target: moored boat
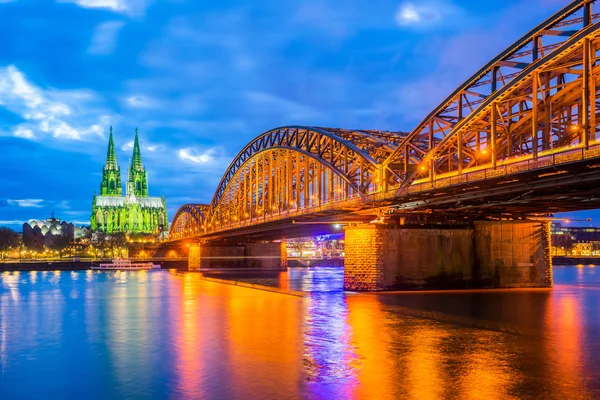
{"x": 125, "y": 265}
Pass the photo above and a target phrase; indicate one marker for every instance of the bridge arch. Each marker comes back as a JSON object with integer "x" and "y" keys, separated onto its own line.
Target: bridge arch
{"x": 293, "y": 168}
{"x": 549, "y": 107}
{"x": 188, "y": 220}
{"x": 419, "y": 154}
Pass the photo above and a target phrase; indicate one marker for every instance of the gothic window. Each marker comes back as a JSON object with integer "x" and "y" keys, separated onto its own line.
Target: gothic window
{"x": 112, "y": 185}
{"x": 160, "y": 219}
{"x": 137, "y": 185}
{"x": 105, "y": 218}
{"x": 99, "y": 217}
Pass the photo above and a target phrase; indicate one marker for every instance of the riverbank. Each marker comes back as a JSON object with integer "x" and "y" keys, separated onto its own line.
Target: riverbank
{"x": 70, "y": 265}
{"x": 567, "y": 260}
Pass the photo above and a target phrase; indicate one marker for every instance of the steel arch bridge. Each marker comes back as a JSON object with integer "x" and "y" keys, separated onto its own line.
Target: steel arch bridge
{"x": 188, "y": 220}
{"x": 532, "y": 109}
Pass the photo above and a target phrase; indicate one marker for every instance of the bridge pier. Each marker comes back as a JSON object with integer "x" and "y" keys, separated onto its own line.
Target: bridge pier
{"x": 247, "y": 255}
{"x": 483, "y": 254}
{"x": 194, "y": 257}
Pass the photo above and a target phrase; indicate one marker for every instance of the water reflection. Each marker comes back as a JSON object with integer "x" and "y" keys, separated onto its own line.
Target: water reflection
{"x": 163, "y": 335}
{"x": 329, "y": 357}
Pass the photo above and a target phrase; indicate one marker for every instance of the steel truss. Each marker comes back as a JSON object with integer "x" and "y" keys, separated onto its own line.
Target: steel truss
{"x": 294, "y": 168}
{"x": 460, "y": 132}
{"x": 534, "y": 106}
{"x": 188, "y": 220}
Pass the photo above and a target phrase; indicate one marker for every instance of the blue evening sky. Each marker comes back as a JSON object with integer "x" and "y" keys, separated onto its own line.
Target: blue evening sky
{"x": 200, "y": 79}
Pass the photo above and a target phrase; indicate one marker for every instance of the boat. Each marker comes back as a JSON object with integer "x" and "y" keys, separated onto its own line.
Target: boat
{"x": 125, "y": 265}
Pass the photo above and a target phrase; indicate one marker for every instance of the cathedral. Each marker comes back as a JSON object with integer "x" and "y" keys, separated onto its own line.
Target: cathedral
{"x": 134, "y": 212}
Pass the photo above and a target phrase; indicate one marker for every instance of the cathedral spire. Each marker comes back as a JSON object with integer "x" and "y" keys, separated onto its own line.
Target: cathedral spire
{"x": 136, "y": 159}
{"x": 111, "y": 175}
{"x": 137, "y": 181}
{"x": 111, "y": 157}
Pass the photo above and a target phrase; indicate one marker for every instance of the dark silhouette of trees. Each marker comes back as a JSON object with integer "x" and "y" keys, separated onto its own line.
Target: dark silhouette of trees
{"x": 9, "y": 240}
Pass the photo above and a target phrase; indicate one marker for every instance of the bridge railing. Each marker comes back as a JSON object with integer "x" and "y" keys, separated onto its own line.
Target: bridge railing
{"x": 508, "y": 167}
{"x": 325, "y": 206}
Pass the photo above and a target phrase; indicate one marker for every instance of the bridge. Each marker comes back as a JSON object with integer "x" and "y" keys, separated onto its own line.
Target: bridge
{"x": 515, "y": 142}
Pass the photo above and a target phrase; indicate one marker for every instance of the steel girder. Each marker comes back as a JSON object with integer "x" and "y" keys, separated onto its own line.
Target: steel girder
{"x": 531, "y": 105}
{"x": 417, "y": 152}
{"x": 342, "y": 150}
{"x": 188, "y": 220}
{"x": 293, "y": 168}
{"x": 549, "y": 109}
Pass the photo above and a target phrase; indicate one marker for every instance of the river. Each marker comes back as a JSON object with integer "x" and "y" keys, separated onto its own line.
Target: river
{"x": 159, "y": 334}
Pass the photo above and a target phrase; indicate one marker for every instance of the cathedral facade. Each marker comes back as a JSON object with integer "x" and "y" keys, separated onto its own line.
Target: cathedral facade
{"x": 134, "y": 211}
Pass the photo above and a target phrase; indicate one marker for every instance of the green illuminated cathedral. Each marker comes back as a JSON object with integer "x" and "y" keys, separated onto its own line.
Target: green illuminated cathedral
{"x": 134, "y": 212}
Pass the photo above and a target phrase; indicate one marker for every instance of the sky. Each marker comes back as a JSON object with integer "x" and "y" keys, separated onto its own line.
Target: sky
{"x": 201, "y": 79}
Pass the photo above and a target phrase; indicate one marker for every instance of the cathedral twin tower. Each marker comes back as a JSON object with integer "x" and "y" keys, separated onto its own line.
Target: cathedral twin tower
{"x": 134, "y": 212}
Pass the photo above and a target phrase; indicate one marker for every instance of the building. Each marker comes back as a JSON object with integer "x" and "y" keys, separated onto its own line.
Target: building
{"x": 51, "y": 231}
{"x": 133, "y": 212}
{"x": 567, "y": 241}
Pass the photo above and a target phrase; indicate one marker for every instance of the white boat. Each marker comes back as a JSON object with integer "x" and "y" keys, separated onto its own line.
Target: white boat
{"x": 125, "y": 265}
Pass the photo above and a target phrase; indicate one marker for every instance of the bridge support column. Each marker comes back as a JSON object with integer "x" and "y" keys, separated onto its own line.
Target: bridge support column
{"x": 283, "y": 252}
{"x": 514, "y": 253}
{"x": 484, "y": 254}
{"x": 226, "y": 256}
{"x": 266, "y": 255}
{"x": 194, "y": 257}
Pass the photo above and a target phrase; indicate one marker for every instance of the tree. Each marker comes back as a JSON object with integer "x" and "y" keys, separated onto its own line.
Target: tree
{"x": 9, "y": 240}
{"x": 56, "y": 242}
{"x": 117, "y": 241}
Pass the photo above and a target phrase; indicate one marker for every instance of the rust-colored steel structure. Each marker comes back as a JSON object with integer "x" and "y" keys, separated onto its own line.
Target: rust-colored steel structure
{"x": 188, "y": 220}
{"x": 530, "y": 112}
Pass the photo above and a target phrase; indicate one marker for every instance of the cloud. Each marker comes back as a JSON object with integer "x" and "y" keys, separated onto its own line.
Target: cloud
{"x": 153, "y": 147}
{"x": 105, "y": 37}
{"x": 141, "y": 101}
{"x": 421, "y": 15}
{"x": 64, "y": 205}
{"x": 288, "y": 109}
{"x": 10, "y": 221}
{"x": 65, "y": 114}
{"x": 116, "y": 6}
{"x": 36, "y": 203}
{"x": 195, "y": 156}
{"x": 23, "y": 132}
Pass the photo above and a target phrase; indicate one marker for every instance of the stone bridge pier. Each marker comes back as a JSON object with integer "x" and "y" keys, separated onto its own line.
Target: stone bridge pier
{"x": 503, "y": 254}
{"x": 261, "y": 255}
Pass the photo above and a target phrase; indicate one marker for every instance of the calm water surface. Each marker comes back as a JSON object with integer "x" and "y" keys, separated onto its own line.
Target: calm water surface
{"x": 156, "y": 334}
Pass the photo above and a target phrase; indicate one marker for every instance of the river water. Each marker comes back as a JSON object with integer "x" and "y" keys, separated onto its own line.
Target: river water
{"x": 158, "y": 334}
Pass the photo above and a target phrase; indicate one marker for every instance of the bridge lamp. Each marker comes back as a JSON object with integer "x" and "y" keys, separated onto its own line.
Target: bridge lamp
{"x": 574, "y": 128}
{"x": 246, "y": 215}
{"x": 337, "y": 226}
